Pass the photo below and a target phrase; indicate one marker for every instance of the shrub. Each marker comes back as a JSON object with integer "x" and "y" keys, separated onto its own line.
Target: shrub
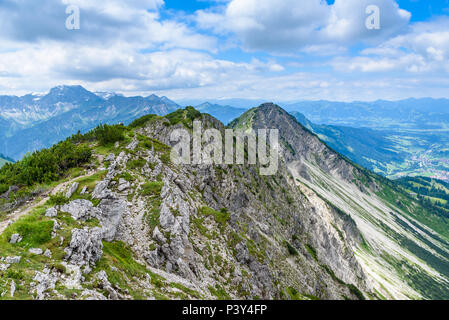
{"x": 44, "y": 166}
{"x": 142, "y": 121}
{"x": 291, "y": 250}
{"x": 58, "y": 199}
{"x": 106, "y": 134}
{"x": 184, "y": 116}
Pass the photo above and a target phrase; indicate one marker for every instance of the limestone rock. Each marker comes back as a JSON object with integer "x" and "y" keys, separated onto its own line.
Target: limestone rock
{"x": 123, "y": 185}
{"x": 85, "y": 248}
{"x": 47, "y": 253}
{"x": 36, "y": 251}
{"x": 11, "y": 260}
{"x": 158, "y": 236}
{"x": 81, "y": 209}
{"x": 101, "y": 190}
{"x": 111, "y": 216}
{"x": 72, "y": 190}
{"x": 12, "y": 288}
{"x": 15, "y": 238}
{"x": 88, "y": 294}
{"x": 103, "y": 278}
{"x": 45, "y": 281}
{"x": 242, "y": 254}
{"x": 51, "y": 212}
{"x": 110, "y": 157}
{"x": 132, "y": 145}
{"x": 4, "y": 267}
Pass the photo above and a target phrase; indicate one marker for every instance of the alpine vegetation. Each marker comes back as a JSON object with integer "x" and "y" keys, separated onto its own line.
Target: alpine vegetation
{"x": 118, "y": 219}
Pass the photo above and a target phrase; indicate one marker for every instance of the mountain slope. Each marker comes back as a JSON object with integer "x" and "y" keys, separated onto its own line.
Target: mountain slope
{"x": 130, "y": 224}
{"x": 401, "y": 252}
{"x": 434, "y": 194}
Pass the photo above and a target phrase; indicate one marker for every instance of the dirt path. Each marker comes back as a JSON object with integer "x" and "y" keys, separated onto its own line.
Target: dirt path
{"x": 27, "y": 208}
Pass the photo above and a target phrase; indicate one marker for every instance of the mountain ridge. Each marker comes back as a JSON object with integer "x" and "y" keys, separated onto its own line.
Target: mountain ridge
{"x": 319, "y": 228}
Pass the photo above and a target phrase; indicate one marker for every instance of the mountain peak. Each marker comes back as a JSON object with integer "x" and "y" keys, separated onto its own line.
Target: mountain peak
{"x": 71, "y": 94}
{"x": 270, "y": 106}
{"x": 65, "y": 88}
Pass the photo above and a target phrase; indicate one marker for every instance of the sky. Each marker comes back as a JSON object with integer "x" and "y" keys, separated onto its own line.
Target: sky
{"x": 274, "y": 50}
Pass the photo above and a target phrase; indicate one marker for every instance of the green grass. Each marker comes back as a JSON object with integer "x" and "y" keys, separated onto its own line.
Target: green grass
{"x": 34, "y": 228}
{"x": 186, "y": 290}
{"x": 311, "y": 250}
{"x": 152, "y": 188}
{"x": 219, "y": 292}
{"x": 221, "y": 217}
{"x": 135, "y": 164}
{"x": 126, "y": 269}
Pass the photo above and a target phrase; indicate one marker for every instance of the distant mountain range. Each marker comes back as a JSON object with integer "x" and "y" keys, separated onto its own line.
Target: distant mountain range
{"x": 420, "y": 114}
{"x": 33, "y": 122}
{"x": 399, "y": 138}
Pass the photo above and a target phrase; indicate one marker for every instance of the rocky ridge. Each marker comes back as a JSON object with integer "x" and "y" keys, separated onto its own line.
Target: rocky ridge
{"x": 141, "y": 227}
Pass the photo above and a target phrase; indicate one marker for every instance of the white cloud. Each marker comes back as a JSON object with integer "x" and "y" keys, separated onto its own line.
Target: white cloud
{"x": 125, "y": 70}
{"x": 287, "y": 25}
{"x": 128, "y": 47}
{"x": 102, "y": 23}
{"x": 423, "y": 48}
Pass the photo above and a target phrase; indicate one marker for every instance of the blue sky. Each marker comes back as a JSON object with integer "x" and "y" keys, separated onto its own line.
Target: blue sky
{"x": 278, "y": 50}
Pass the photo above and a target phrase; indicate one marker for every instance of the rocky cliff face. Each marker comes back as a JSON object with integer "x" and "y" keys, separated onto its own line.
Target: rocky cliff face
{"x": 139, "y": 227}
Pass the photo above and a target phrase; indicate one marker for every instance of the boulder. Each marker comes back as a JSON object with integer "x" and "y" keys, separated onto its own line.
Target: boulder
{"x": 45, "y": 281}
{"x": 103, "y": 278}
{"x": 111, "y": 215}
{"x": 132, "y": 145}
{"x": 4, "y": 267}
{"x": 242, "y": 252}
{"x": 85, "y": 248}
{"x": 12, "y": 288}
{"x": 72, "y": 190}
{"x": 47, "y": 253}
{"x": 81, "y": 209}
{"x": 36, "y": 251}
{"x": 11, "y": 260}
{"x": 123, "y": 185}
{"x": 158, "y": 236}
{"x": 51, "y": 212}
{"x": 110, "y": 157}
{"x": 101, "y": 190}
{"x": 15, "y": 238}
